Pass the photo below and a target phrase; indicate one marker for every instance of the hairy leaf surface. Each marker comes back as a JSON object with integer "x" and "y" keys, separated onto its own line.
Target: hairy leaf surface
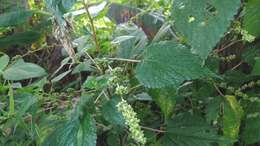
{"x": 189, "y": 130}
{"x": 203, "y": 22}
{"x": 252, "y": 17}
{"x": 251, "y": 130}
{"x": 169, "y": 64}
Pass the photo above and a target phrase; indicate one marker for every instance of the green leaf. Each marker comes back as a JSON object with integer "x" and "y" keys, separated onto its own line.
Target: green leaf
{"x": 213, "y": 109}
{"x": 60, "y": 76}
{"x": 250, "y": 54}
{"x": 14, "y": 18}
{"x": 113, "y": 139}
{"x": 251, "y": 20}
{"x": 84, "y": 66}
{"x": 20, "y": 38}
{"x": 64, "y": 135}
{"x": 87, "y": 135}
{"x": 233, "y": 113}
{"x": 169, "y": 64}
{"x": 131, "y": 41}
{"x": 256, "y": 67}
{"x": 67, "y": 4}
{"x": 4, "y": 60}
{"x": 74, "y": 132}
{"x": 250, "y": 133}
{"x": 165, "y": 99}
{"x": 111, "y": 114}
{"x": 95, "y": 82}
{"x": 22, "y": 70}
{"x": 24, "y": 102}
{"x": 190, "y": 130}
{"x": 203, "y": 22}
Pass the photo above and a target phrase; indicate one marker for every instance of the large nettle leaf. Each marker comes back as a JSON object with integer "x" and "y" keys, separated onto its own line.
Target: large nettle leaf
{"x": 203, "y": 22}
{"x": 250, "y": 133}
{"x": 190, "y": 130}
{"x": 22, "y": 70}
{"x": 111, "y": 114}
{"x": 252, "y": 17}
{"x": 213, "y": 108}
{"x": 165, "y": 99}
{"x": 169, "y": 64}
{"x": 74, "y": 132}
{"x": 80, "y": 130}
{"x": 233, "y": 113}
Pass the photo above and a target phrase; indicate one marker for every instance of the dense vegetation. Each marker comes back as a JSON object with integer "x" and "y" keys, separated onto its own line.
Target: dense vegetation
{"x": 130, "y": 73}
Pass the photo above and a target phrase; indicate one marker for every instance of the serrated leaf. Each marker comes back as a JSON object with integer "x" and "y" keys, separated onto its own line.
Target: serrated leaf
{"x": 4, "y": 60}
{"x": 250, "y": 53}
{"x": 251, "y": 19}
{"x": 74, "y": 132}
{"x": 190, "y": 130}
{"x": 233, "y": 113}
{"x": 165, "y": 99}
{"x": 64, "y": 135}
{"x": 169, "y": 64}
{"x": 250, "y": 133}
{"x": 87, "y": 136}
{"x": 203, "y": 22}
{"x": 131, "y": 41}
{"x": 22, "y": 70}
{"x": 213, "y": 109}
{"x": 111, "y": 114}
{"x": 256, "y": 67}
{"x": 14, "y": 18}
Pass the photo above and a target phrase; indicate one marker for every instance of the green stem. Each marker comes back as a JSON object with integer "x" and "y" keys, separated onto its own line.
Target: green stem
{"x": 11, "y": 100}
{"x": 94, "y": 35}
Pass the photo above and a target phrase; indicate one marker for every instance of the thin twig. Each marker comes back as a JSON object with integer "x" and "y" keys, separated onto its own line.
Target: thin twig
{"x": 94, "y": 35}
{"x": 97, "y": 66}
{"x": 33, "y": 51}
{"x": 235, "y": 67}
{"x": 216, "y": 87}
{"x": 154, "y": 130}
{"x": 123, "y": 59}
{"x": 102, "y": 92}
{"x": 227, "y": 46}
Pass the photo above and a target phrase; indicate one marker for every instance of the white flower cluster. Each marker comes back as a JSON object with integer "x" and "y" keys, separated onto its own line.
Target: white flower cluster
{"x": 132, "y": 121}
{"x": 116, "y": 76}
{"x": 121, "y": 90}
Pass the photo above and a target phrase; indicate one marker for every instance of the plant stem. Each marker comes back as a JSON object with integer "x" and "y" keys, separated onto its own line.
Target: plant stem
{"x": 94, "y": 35}
{"x": 126, "y": 60}
{"x": 154, "y": 130}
